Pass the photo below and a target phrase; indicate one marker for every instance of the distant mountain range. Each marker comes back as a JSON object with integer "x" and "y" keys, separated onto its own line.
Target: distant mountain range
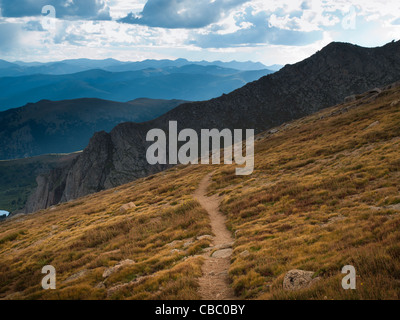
{"x": 325, "y": 79}
{"x": 19, "y": 68}
{"x": 186, "y": 82}
{"x": 67, "y": 126}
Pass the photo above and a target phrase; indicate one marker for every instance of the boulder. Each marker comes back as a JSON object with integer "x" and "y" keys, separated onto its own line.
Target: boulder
{"x": 298, "y": 279}
{"x": 395, "y": 103}
{"x": 127, "y": 207}
{"x": 205, "y": 237}
{"x": 224, "y": 246}
{"x": 351, "y": 98}
{"x": 221, "y": 254}
{"x": 244, "y": 254}
{"x": 372, "y": 125}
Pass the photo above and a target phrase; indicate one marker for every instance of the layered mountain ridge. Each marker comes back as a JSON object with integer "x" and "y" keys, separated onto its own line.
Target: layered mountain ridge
{"x": 66, "y": 126}
{"x": 325, "y": 79}
{"x": 188, "y": 82}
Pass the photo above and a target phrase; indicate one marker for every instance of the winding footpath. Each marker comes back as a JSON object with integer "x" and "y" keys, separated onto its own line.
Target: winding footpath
{"x": 214, "y": 284}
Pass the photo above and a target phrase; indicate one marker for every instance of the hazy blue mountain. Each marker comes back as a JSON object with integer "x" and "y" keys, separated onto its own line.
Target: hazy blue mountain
{"x": 248, "y": 65}
{"x": 5, "y": 64}
{"x": 19, "y": 68}
{"x": 189, "y": 82}
{"x": 275, "y": 67}
{"x": 67, "y": 126}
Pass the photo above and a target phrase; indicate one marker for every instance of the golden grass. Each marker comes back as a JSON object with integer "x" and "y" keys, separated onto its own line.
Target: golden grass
{"x": 320, "y": 198}
{"x": 92, "y": 234}
{"x": 323, "y": 195}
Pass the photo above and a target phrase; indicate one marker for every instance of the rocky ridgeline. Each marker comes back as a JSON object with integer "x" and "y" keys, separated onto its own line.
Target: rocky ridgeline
{"x": 338, "y": 71}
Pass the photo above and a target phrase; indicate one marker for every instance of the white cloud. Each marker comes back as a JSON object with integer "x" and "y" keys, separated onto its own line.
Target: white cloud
{"x": 249, "y": 30}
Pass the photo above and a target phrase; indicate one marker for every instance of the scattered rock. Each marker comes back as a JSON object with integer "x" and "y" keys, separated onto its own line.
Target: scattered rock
{"x": 221, "y": 254}
{"x": 114, "y": 289}
{"x": 393, "y": 207}
{"x": 118, "y": 287}
{"x": 333, "y": 220}
{"x": 174, "y": 243}
{"x": 127, "y": 207}
{"x": 376, "y": 123}
{"x": 175, "y": 251}
{"x": 273, "y": 131}
{"x": 389, "y": 207}
{"x": 395, "y": 103}
{"x": 205, "y": 237}
{"x": 298, "y": 279}
{"x": 114, "y": 269}
{"x": 188, "y": 243}
{"x": 376, "y": 90}
{"x": 351, "y": 98}
{"x": 100, "y": 285}
{"x": 224, "y": 246}
{"x": 109, "y": 253}
{"x": 375, "y": 208}
{"x": 76, "y": 276}
{"x": 244, "y": 254}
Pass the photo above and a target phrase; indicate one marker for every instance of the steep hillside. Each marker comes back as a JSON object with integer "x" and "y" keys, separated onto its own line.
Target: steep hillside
{"x": 325, "y": 79}
{"x": 67, "y": 126}
{"x": 324, "y": 194}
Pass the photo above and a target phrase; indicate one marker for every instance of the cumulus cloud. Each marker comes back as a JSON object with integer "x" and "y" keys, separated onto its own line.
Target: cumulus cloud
{"x": 281, "y": 31}
{"x": 10, "y": 37}
{"x": 182, "y": 13}
{"x": 85, "y": 9}
{"x": 255, "y": 29}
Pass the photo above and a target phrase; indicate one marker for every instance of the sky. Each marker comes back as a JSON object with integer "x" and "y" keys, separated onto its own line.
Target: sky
{"x": 267, "y": 31}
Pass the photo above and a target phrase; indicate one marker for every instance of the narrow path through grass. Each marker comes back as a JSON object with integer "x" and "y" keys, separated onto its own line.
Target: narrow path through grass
{"x": 214, "y": 284}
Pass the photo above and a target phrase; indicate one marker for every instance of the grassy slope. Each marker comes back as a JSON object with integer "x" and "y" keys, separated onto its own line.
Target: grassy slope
{"x": 324, "y": 194}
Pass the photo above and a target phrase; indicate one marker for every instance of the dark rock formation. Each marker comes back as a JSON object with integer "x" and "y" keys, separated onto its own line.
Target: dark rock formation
{"x": 325, "y": 79}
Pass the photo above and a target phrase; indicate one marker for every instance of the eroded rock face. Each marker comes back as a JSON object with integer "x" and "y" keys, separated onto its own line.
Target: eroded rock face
{"x": 298, "y": 279}
{"x": 325, "y": 79}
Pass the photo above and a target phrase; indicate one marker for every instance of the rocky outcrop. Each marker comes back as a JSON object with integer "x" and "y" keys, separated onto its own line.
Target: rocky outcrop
{"x": 325, "y": 79}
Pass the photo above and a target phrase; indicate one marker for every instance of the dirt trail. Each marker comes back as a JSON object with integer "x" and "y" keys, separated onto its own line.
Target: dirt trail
{"x": 214, "y": 284}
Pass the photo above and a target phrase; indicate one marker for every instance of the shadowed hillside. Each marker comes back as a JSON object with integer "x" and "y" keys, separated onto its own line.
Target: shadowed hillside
{"x": 18, "y": 178}
{"x": 67, "y": 126}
